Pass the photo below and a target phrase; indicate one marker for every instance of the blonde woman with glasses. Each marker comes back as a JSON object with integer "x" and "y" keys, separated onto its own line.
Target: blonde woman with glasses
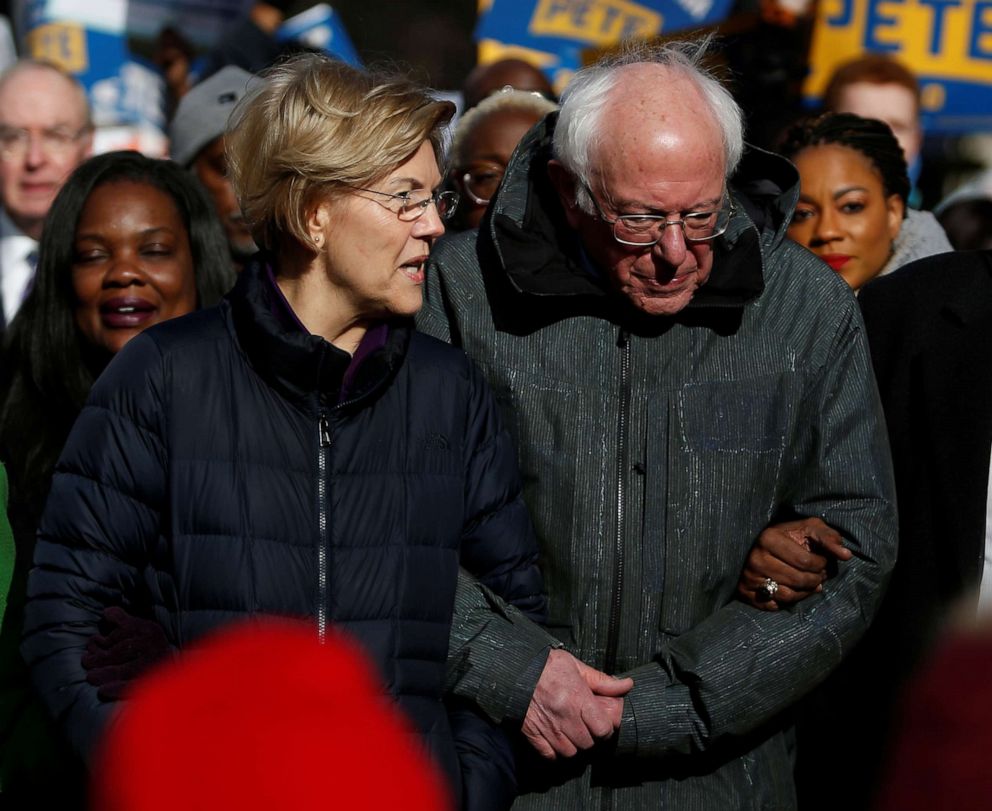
{"x": 300, "y": 450}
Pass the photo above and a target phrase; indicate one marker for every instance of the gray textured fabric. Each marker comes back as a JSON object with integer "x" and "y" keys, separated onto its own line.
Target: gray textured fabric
{"x": 920, "y": 236}
{"x": 721, "y": 432}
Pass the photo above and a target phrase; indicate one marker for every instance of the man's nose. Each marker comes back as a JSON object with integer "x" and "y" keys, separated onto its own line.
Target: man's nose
{"x": 671, "y": 247}
{"x": 34, "y": 154}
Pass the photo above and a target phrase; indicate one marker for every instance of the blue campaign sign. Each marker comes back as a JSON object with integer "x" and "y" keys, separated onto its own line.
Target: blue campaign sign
{"x": 93, "y": 46}
{"x": 554, "y": 33}
{"x": 319, "y": 27}
{"x": 91, "y": 41}
{"x": 947, "y": 43}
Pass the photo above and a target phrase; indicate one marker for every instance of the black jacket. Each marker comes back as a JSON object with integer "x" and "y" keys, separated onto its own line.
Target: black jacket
{"x": 929, "y": 327}
{"x": 227, "y": 466}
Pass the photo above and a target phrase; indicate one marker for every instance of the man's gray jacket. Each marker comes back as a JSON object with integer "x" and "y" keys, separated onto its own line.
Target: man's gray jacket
{"x": 653, "y": 452}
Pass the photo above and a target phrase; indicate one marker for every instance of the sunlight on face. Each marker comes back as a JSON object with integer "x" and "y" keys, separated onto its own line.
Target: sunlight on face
{"x": 843, "y": 214}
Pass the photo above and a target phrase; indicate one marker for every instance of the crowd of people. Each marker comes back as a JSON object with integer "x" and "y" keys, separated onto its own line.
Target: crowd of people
{"x": 643, "y": 465}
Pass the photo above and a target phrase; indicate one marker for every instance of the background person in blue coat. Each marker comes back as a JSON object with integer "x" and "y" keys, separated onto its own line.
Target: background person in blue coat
{"x": 299, "y": 450}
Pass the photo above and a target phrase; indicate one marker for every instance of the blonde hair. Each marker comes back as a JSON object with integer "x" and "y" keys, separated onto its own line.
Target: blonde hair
{"x": 314, "y": 127}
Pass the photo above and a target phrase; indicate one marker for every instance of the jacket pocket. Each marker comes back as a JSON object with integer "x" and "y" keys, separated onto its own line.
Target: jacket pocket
{"x": 735, "y": 416}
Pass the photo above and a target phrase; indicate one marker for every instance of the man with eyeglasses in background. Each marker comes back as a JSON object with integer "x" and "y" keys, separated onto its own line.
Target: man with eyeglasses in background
{"x": 45, "y": 133}
{"x": 677, "y": 375}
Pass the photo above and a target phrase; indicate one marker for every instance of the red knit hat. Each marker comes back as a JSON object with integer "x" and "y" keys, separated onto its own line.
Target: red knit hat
{"x": 264, "y": 717}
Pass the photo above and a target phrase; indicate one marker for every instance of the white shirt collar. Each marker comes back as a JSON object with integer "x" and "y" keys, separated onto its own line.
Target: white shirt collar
{"x": 15, "y": 270}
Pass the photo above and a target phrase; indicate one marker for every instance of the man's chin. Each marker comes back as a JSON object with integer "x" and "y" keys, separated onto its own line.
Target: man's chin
{"x": 661, "y": 304}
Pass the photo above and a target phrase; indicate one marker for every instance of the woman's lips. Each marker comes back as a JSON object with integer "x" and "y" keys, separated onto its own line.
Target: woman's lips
{"x": 413, "y": 269}
{"x": 125, "y": 312}
{"x": 836, "y": 260}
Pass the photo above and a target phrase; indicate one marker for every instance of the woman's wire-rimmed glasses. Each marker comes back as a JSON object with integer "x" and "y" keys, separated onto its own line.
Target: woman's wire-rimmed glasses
{"x": 641, "y": 230}
{"x": 410, "y": 205}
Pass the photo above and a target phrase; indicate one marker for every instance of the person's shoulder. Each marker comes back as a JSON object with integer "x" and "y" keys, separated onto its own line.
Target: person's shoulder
{"x": 206, "y": 325}
{"x": 456, "y": 250}
{"x": 147, "y": 355}
{"x": 427, "y": 351}
{"x": 444, "y": 369}
{"x": 802, "y": 279}
{"x": 932, "y": 282}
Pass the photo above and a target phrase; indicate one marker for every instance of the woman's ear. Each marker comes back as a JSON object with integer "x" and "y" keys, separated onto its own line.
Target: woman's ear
{"x": 317, "y": 221}
{"x": 896, "y": 211}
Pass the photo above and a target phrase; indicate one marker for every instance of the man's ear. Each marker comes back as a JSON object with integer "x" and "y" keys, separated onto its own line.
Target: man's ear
{"x": 87, "y": 143}
{"x": 564, "y": 184}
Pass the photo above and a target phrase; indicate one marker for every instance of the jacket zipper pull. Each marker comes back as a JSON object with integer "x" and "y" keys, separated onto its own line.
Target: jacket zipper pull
{"x": 325, "y": 432}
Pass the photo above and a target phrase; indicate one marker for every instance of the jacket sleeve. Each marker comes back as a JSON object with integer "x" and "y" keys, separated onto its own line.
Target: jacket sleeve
{"x": 496, "y": 653}
{"x": 741, "y": 666}
{"x": 102, "y": 517}
{"x": 498, "y": 543}
{"x": 499, "y": 548}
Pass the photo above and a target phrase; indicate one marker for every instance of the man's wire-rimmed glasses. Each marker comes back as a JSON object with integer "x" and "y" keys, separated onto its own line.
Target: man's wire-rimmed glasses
{"x": 54, "y": 141}
{"x": 410, "y": 205}
{"x": 641, "y": 230}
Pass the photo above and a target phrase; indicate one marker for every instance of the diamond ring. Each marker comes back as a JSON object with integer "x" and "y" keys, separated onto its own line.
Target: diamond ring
{"x": 768, "y": 589}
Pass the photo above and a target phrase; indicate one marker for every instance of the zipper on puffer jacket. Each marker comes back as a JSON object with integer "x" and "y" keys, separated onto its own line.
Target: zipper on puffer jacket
{"x": 323, "y": 444}
{"x": 613, "y": 628}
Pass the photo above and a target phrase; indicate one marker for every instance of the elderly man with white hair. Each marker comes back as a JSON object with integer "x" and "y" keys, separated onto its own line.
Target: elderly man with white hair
{"x": 45, "y": 133}
{"x": 677, "y": 376}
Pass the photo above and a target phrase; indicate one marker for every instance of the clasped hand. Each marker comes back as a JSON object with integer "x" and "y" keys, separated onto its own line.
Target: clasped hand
{"x": 573, "y": 706}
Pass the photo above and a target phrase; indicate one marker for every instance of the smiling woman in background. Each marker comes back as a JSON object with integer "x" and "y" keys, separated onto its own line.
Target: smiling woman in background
{"x": 852, "y": 205}
{"x": 130, "y": 241}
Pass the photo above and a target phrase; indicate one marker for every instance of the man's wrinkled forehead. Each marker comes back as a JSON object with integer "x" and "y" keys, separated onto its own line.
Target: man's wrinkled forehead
{"x": 653, "y": 112}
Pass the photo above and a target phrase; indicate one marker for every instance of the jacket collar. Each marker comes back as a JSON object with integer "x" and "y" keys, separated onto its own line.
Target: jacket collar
{"x": 302, "y": 366}
{"x": 539, "y": 254}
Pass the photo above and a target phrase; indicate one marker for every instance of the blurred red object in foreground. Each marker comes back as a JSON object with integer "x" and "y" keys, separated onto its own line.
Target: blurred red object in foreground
{"x": 940, "y": 757}
{"x": 264, "y": 717}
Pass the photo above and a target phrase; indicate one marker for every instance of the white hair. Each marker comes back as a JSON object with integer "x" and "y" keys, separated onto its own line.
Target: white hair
{"x": 505, "y": 99}
{"x": 579, "y": 129}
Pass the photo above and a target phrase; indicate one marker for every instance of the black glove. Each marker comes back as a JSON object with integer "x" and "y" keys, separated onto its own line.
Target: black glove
{"x": 126, "y": 647}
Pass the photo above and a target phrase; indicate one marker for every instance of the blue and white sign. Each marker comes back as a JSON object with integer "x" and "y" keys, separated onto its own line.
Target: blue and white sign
{"x": 558, "y": 31}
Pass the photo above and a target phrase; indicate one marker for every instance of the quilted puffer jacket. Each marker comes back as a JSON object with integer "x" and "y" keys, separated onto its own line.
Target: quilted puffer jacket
{"x": 231, "y": 465}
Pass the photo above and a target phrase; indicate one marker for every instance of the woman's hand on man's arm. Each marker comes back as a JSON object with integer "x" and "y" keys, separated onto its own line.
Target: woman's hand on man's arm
{"x": 789, "y": 562}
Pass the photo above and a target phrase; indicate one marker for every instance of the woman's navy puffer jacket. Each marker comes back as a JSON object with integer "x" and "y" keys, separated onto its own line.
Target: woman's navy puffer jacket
{"x": 217, "y": 474}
